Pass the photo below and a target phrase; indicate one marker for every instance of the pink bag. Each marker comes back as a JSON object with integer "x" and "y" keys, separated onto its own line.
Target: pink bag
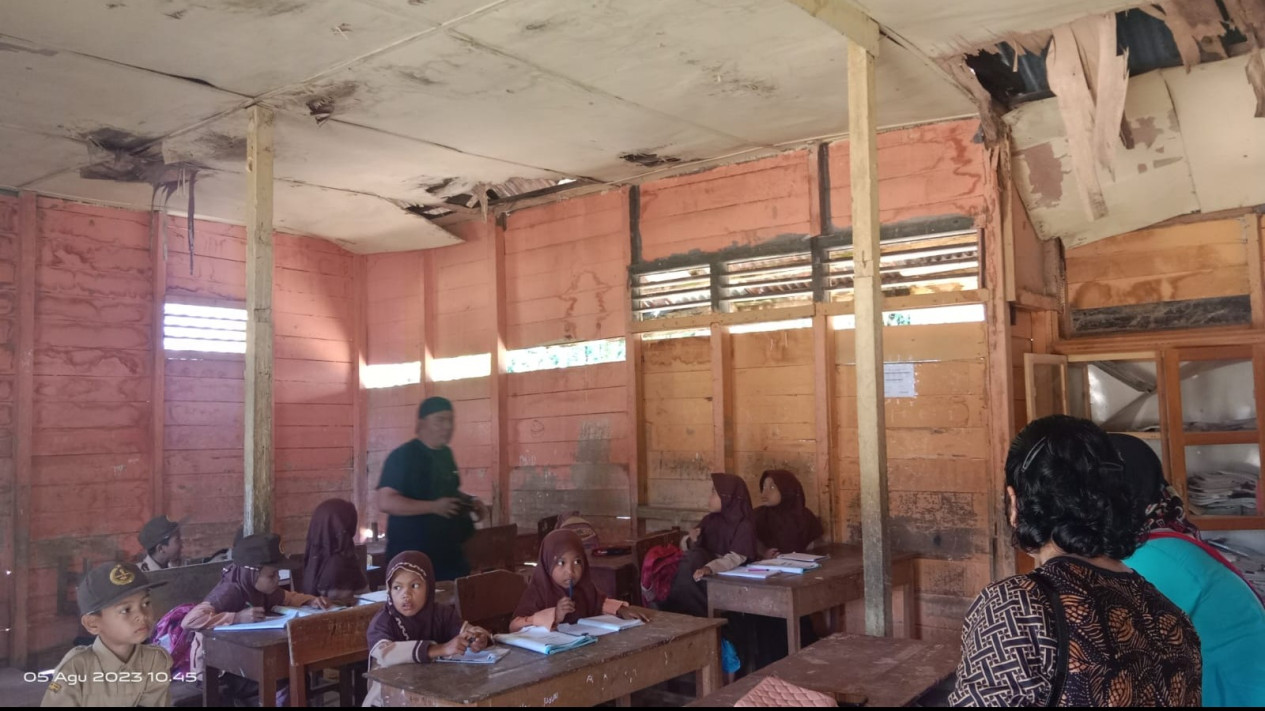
{"x": 177, "y": 640}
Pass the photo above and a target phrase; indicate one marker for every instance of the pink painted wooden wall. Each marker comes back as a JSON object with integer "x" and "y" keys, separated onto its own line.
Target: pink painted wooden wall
{"x": 94, "y": 367}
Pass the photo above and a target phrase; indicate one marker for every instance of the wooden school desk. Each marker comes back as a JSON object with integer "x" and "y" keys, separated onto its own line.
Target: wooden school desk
{"x": 263, "y": 656}
{"x": 617, "y": 665}
{"x": 882, "y": 670}
{"x": 838, "y": 581}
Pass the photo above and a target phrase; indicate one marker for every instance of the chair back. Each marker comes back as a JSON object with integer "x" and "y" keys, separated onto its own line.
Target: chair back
{"x": 328, "y": 639}
{"x": 488, "y": 599}
{"x": 491, "y": 548}
{"x": 188, "y": 583}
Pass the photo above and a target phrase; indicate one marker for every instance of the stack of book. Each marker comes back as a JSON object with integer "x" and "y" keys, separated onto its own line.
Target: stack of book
{"x": 788, "y": 563}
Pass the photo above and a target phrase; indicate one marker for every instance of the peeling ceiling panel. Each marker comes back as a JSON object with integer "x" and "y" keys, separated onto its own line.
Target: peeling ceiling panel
{"x": 358, "y": 223}
{"x": 942, "y": 28}
{"x": 1152, "y": 181}
{"x": 28, "y": 156}
{"x": 71, "y": 95}
{"x": 1226, "y": 143}
{"x": 347, "y": 157}
{"x": 483, "y": 102}
{"x": 222, "y": 42}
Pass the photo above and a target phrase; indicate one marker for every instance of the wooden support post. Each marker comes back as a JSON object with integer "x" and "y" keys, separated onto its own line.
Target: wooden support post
{"x": 824, "y": 369}
{"x": 722, "y": 399}
{"x": 361, "y": 486}
{"x": 157, "y": 390}
{"x": 871, "y": 420}
{"x": 24, "y": 425}
{"x": 637, "y": 472}
{"x": 498, "y": 387}
{"x": 998, "y": 365}
{"x": 259, "y": 454}
{"x": 1252, "y": 240}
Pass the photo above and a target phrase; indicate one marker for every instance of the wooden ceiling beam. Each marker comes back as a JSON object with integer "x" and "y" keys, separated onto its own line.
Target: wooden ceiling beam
{"x": 847, "y": 19}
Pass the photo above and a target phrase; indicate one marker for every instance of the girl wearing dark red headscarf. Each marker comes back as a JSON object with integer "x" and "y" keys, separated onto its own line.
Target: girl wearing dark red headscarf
{"x": 407, "y": 629}
{"x": 724, "y": 540}
{"x": 784, "y": 524}
{"x": 561, "y": 589}
{"x": 330, "y": 565}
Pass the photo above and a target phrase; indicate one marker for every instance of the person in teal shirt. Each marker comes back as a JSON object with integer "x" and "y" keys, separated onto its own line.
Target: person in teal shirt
{"x": 1227, "y": 612}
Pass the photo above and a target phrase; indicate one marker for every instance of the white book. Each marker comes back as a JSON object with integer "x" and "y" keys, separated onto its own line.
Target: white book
{"x": 777, "y": 565}
{"x": 544, "y": 641}
{"x": 491, "y": 655}
{"x": 804, "y": 557}
{"x": 305, "y": 611}
{"x": 599, "y": 625}
{"x": 271, "y": 622}
{"x": 744, "y": 571}
{"x": 377, "y": 596}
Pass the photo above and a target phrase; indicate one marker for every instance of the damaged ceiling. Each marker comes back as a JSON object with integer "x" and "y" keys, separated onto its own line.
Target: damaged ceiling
{"x": 391, "y": 112}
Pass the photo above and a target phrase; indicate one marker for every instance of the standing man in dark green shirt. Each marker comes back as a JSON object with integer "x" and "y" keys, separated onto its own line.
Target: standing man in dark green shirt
{"x": 420, "y": 490}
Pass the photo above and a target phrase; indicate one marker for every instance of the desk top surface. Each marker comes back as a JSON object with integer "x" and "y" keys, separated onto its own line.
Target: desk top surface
{"x": 471, "y": 683}
{"x": 884, "y": 670}
{"x": 844, "y": 560}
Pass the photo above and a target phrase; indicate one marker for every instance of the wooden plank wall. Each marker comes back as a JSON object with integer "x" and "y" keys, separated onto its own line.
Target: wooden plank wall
{"x": 1185, "y": 261}
{"x": 464, "y": 325}
{"x": 677, "y": 401}
{"x": 937, "y": 451}
{"x": 394, "y": 314}
{"x": 8, "y": 344}
{"x": 735, "y": 205}
{"x": 930, "y": 170}
{"x": 569, "y": 435}
{"x": 774, "y": 408}
{"x": 93, "y": 447}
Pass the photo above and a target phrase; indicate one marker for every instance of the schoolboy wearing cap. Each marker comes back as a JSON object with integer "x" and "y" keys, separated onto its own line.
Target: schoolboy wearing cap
{"x": 118, "y": 668}
{"x": 162, "y": 543}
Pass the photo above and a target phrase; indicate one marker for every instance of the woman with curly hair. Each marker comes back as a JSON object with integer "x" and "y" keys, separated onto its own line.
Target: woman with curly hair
{"x": 1082, "y": 629}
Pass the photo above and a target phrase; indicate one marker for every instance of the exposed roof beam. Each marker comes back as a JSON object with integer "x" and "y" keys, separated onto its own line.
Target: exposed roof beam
{"x": 847, "y": 19}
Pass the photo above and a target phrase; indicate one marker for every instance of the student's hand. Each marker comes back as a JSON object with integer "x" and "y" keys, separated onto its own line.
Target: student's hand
{"x": 565, "y": 607}
{"x": 250, "y": 614}
{"x": 319, "y": 602}
{"x": 455, "y": 647}
{"x": 628, "y": 613}
{"x": 695, "y": 534}
{"x": 772, "y": 553}
{"x": 701, "y": 573}
{"x": 479, "y": 638}
{"x": 447, "y": 507}
{"x": 544, "y": 618}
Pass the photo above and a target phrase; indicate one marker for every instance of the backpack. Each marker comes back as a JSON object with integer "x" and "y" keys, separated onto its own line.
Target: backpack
{"x": 658, "y": 571}
{"x": 177, "y": 640}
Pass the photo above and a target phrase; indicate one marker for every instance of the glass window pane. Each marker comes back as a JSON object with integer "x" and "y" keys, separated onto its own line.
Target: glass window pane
{"x": 1218, "y": 395}
{"x": 1246, "y": 549}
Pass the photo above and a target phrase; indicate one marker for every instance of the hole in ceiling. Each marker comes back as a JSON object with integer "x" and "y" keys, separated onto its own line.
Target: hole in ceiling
{"x": 649, "y": 160}
{"x": 1012, "y": 80}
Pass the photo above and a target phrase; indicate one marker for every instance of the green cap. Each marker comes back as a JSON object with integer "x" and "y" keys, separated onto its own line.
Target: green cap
{"x": 108, "y": 583}
{"x": 259, "y": 550}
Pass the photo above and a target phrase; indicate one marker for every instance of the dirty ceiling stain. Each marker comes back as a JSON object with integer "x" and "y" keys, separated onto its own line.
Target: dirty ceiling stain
{"x": 6, "y": 47}
{"x": 221, "y": 146}
{"x": 1045, "y": 173}
{"x": 1144, "y": 131}
{"x": 649, "y": 160}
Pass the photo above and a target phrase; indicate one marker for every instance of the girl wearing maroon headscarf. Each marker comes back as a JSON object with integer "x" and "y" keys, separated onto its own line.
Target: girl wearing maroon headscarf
{"x": 724, "y": 540}
{"x": 784, "y": 524}
{"x": 408, "y": 629}
{"x": 330, "y": 565}
{"x": 561, "y": 589}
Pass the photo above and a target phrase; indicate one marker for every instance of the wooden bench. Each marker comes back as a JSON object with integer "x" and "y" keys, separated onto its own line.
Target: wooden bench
{"x": 329, "y": 640}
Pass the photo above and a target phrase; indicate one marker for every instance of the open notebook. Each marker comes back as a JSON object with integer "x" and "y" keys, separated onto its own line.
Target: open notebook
{"x": 784, "y": 565}
{"x": 544, "y": 641}
{"x": 803, "y": 557}
{"x": 272, "y": 622}
{"x": 744, "y": 571}
{"x": 599, "y": 625}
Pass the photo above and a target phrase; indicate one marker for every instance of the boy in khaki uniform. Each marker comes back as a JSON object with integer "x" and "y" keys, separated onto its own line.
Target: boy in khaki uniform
{"x": 118, "y": 669}
{"x": 162, "y": 543}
